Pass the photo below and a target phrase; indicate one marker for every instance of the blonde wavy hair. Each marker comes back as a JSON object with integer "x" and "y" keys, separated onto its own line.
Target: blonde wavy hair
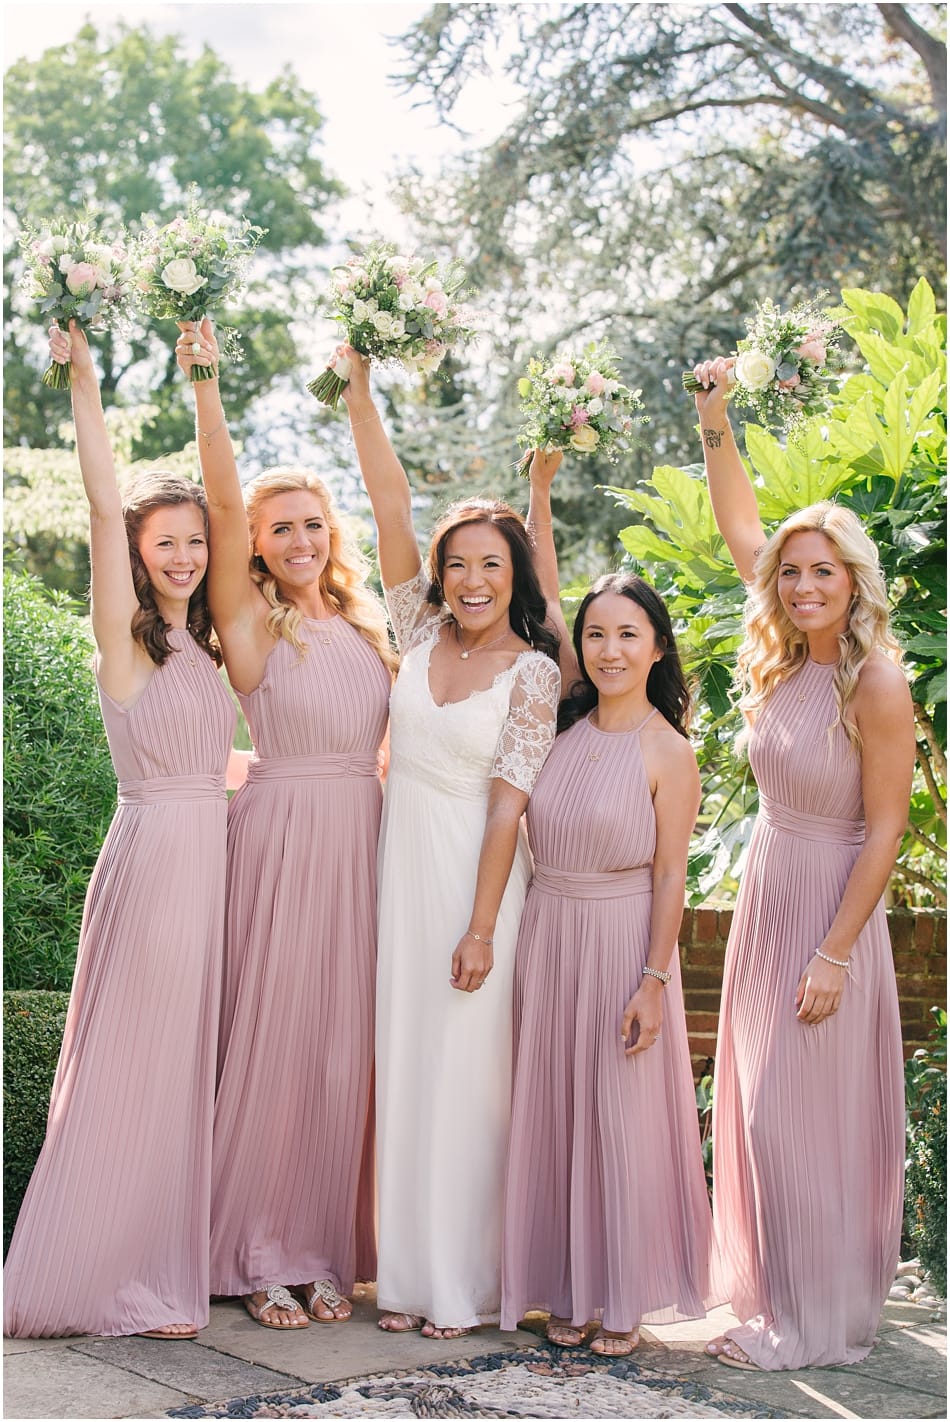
{"x": 343, "y": 580}
{"x": 774, "y": 647}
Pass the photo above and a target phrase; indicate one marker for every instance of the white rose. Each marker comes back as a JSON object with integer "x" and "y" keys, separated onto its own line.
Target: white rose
{"x": 595, "y": 406}
{"x": 360, "y": 311}
{"x": 66, "y": 264}
{"x": 398, "y": 328}
{"x": 383, "y": 322}
{"x": 60, "y": 242}
{"x": 754, "y": 369}
{"x": 182, "y": 275}
{"x": 405, "y": 300}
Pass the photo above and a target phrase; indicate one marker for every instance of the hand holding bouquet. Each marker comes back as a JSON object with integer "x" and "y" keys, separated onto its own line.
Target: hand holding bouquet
{"x": 75, "y": 276}
{"x": 193, "y": 266}
{"x": 782, "y": 370}
{"x": 577, "y": 402}
{"x": 395, "y": 308}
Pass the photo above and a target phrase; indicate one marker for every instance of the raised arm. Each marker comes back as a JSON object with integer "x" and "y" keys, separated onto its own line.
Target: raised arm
{"x": 540, "y": 525}
{"x": 733, "y": 497}
{"x": 383, "y": 475}
{"x": 232, "y": 596}
{"x": 123, "y": 666}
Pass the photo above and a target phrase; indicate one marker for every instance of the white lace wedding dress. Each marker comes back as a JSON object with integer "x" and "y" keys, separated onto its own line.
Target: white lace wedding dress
{"x": 443, "y": 1057}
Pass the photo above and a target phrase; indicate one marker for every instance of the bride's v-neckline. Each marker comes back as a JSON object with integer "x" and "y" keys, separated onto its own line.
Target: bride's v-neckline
{"x": 479, "y": 691}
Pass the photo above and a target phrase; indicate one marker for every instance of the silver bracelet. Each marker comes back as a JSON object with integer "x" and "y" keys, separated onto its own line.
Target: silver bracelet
{"x": 355, "y": 424}
{"x": 210, "y": 434}
{"x": 836, "y": 961}
{"x": 488, "y": 942}
{"x": 664, "y": 978}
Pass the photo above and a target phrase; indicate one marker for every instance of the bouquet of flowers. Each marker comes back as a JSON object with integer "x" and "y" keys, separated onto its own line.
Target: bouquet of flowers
{"x": 782, "y": 370}
{"x": 75, "y": 276}
{"x": 193, "y": 265}
{"x": 397, "y": 308}
{"x": 577, "y": 402}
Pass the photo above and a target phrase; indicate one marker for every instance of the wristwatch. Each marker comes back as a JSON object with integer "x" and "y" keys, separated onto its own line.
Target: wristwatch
{"x": 664, "y": 978}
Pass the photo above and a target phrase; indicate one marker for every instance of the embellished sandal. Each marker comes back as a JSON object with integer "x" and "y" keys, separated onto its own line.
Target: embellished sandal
{"x": 409, "y": 1322}
{"x": 580, "y": 1333}
{"x": 323, "y": 1290}
{"x": 275, "y": 1296}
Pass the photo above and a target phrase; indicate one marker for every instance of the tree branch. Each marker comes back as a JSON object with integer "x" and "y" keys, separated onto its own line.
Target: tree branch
{"x": 904, "y": 871}
{"x": 937, "y": 757}
{"x": 932, "y": 51}
{"x": 926, "y": 770}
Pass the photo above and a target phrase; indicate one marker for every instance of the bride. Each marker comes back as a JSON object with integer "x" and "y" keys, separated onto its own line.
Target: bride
{"x": 472, "y": 719}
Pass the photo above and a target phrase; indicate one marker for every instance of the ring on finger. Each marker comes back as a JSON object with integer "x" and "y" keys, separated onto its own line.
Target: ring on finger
{"x": 195, "y": 348}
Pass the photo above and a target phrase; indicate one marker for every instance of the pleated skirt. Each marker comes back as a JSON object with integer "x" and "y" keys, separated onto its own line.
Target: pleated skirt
{"x": 606, "y": 1209}
{"x": 293, "y": 1191}
{"x": 808, "y": 1121}
{"x": 112, "y": 1237}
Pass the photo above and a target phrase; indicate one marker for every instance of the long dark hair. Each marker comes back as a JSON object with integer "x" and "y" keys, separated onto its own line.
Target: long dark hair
{"x": 155, "y": 490}
{"x": 528, "y": 610}
{"x": 666, "y": 684}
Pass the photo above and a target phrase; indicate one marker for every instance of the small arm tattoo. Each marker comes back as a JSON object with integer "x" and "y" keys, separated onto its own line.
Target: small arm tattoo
{"x": 713, "y": 438}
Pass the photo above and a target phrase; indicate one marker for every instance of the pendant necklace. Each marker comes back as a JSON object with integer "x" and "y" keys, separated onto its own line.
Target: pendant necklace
{"x": 466, "y": 652}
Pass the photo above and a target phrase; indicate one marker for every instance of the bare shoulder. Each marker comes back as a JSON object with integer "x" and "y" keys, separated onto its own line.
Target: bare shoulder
{"x": 879, "y": 680}
{"x": 666, "y": 751}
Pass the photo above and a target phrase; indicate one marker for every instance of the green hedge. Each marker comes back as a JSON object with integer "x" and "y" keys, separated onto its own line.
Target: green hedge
{"x": 925, "y": 1194}
{"x": 58, "y": 782}
{"x": 33, "y": 1025}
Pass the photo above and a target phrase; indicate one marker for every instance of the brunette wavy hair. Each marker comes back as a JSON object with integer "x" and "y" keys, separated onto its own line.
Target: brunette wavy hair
{"x": 774, "y": 647}
{"x": 343, "y": 580}
{"x": 527, "y": 610}
{"x": 153, "y": 490}
{"x": 666, "y": 685}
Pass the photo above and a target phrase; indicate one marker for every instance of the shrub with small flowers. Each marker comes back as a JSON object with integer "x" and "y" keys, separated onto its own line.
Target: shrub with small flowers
{"x": 194, "y": 265}
{"x": 577, "y": 402}
{"x": 76, "y": 276}
{"x": 395, "y": 308}
{"x": 784, "y": 365}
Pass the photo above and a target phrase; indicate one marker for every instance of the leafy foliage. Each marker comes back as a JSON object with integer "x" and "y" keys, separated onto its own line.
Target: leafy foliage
{"x": 882, "y": 452}
{"x": 123, "y": 124}
{"x": 665, "y": 168}
{"x": 33, "y": 1024}
{"x": 925, "y": 1194}
{"x": 58, "y": 783}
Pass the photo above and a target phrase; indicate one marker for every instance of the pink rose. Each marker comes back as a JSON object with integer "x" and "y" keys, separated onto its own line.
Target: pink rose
{"x": 562, "y": 373}
{"x": 579, "y": 417}
{"x": 437, "y": 301}
{"x": 813, "y": 348}
{"x": 81, "y": 279}
{"x": 790, "y": 383}
{"x": 596, "y": 383}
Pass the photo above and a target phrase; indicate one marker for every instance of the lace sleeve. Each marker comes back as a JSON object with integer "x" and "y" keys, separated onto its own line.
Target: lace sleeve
{"x": 528, "y": 732}
{"x": 408, "y": 608}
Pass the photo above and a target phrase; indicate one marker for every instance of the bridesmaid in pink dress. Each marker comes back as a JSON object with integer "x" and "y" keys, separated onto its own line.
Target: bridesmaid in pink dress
{"x": 112, "y": 1237}
{"x": 307, "y": 650}
{"x": 606, "y": 1211}
{"x": 808, "y": 1119}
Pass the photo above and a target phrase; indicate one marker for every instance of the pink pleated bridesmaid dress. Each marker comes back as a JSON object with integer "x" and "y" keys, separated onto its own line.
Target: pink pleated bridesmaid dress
{"x": 606, "y": 1210}
{"x": 293, "y": 1154}
{"x": 808, "y": 1120}
{"x": 112, "y": 1237}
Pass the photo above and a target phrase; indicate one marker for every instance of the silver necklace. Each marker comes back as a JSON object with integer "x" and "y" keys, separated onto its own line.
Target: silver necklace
{"x": 466, "y": 652}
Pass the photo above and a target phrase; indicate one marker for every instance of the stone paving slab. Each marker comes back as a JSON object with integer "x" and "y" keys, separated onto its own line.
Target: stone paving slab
{"x": 63, "y": 1383}
{"x": 202, "y": 1373}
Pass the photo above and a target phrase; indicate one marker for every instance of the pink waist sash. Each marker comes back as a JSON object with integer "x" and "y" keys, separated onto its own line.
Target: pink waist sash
{"x": 313, "y": 767}
{"x": 619, "y": 885}
{"x": 821, "y": 827}
{"x": 164, "y": 789}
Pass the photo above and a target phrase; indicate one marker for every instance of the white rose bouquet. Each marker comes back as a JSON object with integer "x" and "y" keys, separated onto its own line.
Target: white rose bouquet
{"x": 784, "y": 365}
{"x": 577, "y": 402}
{"x": 395, "y": 308}
{"x": 194, "y": 265}
{"x": 76, "y": 276}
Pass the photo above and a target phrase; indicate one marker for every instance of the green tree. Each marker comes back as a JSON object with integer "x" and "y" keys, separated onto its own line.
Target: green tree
{"x": 123, "y": 124}
{"x": 882, "y": 452}
{"x": 666, "y": 166}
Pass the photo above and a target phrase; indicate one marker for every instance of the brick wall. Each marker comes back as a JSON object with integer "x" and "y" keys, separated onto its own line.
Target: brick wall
{"x": 918, "y": 938}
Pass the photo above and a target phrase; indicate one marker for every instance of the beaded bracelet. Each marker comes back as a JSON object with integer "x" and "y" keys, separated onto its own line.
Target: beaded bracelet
{"x": 664, "y": 978}
{"x": 838, "y": 963}
{"x": 488, "y": 942}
